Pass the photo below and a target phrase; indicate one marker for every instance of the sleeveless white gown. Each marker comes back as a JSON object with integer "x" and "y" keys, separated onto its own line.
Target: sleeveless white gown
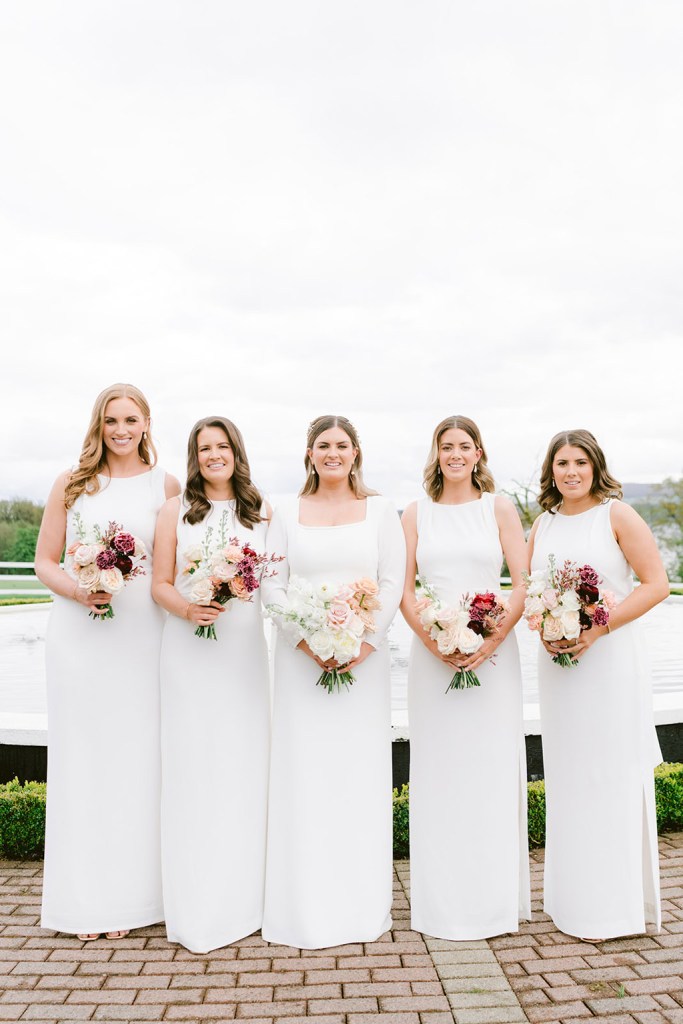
{"x": 469, "y": 863}
{"x": 599, "y": 750}
{"x": 329, "y": 862}
{"x": 102, "y": 856}
{"x": 215, "y": 721}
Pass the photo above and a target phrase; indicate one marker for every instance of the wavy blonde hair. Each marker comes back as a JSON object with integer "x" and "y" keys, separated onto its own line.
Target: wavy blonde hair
{"x": 93, "y": 457}
{"x": 482, "y": 478}
{"x": 604, "y": 485}
{"x": 356, "y": 482}
{"x": 248, "y": 499}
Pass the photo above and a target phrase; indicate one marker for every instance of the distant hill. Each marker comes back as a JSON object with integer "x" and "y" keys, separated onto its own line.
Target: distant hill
{"x": 637, "y": 492}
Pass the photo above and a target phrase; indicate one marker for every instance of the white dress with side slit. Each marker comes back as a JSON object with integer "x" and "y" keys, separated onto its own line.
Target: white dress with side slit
{"x": 599, "y": 751}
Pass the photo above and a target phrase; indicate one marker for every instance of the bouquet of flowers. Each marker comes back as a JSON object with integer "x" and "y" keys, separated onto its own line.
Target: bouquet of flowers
{"x": 105, "y": 561}
{"x": 223, "y": 570}
{"x": 561, "y": 603}
{"x": 462, "y": 629}
{"x": 332, "y": 620}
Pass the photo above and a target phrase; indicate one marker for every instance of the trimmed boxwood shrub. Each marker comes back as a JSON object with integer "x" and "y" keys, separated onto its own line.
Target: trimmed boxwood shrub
{"x": 22, "y": 814}
{"x": 22, "y": 820}
{"x": 668, "y": 800}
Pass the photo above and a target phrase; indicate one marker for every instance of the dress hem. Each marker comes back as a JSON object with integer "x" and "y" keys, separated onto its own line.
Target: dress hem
{"x": 115, "y": 923}
{"x": 466, "y": 934}
{"x": 347, "y": 940}
{"x": 217, "y": 941}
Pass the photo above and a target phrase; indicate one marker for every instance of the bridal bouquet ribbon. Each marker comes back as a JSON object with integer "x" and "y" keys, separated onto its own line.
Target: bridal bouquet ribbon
{"x": 105, "y": 561}
{"x": 222, "y": 569}
{"x": 332, "y": 619}
{"x": 561, "y": 603}
{"x": 462, "y": 629}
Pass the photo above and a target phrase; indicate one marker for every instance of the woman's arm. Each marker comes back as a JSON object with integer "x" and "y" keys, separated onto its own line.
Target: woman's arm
{"x": 164, "y": 572}
{"x": 514, "y": 549}
{"x": 171, "y": 486}
{"x": 49, "y": 547}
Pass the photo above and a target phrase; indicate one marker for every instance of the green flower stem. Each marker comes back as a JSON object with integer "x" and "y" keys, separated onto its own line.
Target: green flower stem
{"x": 335, "y": 678}
{"x": 463, "y": 679}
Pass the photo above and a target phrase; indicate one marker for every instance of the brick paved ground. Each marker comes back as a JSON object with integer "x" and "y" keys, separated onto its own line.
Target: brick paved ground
{"x": 403, "y": 978}
{"x": 622, "y": 981}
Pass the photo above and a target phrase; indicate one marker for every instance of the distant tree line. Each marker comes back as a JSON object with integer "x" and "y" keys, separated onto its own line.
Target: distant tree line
{"x": 19, "y": 524}
{"x": 662, "y": 510}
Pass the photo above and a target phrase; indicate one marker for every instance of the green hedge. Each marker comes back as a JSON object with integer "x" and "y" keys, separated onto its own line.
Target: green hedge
{"x": 668, "y": 799}
{"x": 22, "y": 814}
{"x": 22, "y": 820}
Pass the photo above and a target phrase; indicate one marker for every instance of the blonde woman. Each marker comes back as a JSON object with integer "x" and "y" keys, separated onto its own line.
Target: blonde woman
{"x": 468, "y": 832}
{"x": 329, "y": 860}
{"x": 102, "y": 860}
{"x": 215, "y": 713}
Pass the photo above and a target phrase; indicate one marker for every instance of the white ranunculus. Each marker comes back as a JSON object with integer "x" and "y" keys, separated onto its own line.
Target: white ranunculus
{"x": 571, "y": 625}
{"x": 570, "y": 601}
{"x": 326, "y": 591}
{"x": 469, "y": 641}
{"x": 321, "y": 645}
{"x": 193, "y": 554}
{"x": 86, "y": 553}
{"x": 202, "y": 592}
{"x": 89, "y": 577}
{"x": 112, "y": 580}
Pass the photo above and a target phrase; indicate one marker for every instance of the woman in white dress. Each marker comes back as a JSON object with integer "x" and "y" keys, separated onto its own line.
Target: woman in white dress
{"x": 599, "y": 741}
{"x": 329, "y": 861}
{"x": 469, "y": 861}
{"x": 215, "y": 714}
{"x": 102, "y": 859}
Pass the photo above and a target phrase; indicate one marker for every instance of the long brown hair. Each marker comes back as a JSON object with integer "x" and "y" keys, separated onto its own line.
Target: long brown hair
{"x": 604, "y": 485}
{"x": 93, "y": 457}
{"x": 248, "y": 499}
{"x": 482, "y": 478}
{"x": 317, "y": 427}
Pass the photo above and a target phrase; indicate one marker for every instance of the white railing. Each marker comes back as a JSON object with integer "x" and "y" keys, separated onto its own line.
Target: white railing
{"x": 44, "y": 592}
{"x": 29, "y": 577}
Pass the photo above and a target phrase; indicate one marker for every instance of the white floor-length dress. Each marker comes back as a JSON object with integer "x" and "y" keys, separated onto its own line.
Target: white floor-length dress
{"x": 599, "y": 751}
{"x": 329, "y": 862}
{"x": 215, "y": 721}
{"x": 469, "y": 863}
{"x": 102, "y": 855}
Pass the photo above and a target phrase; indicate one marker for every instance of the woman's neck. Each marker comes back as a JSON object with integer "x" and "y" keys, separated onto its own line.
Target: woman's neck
{"x": 459, "y": 493}
{"x": 117, "y": 466}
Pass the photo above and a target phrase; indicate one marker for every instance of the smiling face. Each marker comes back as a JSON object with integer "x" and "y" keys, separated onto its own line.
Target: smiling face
{"x": 124, "y": 425}
{"x": 332, "y": 455}
{"x": 458, "y": 455}
{"x": 572, "y": 473}
{"x": 215, "y": 456}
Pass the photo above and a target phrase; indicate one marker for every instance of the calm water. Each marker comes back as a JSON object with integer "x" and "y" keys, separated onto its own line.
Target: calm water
{"x": 22, "y": 654}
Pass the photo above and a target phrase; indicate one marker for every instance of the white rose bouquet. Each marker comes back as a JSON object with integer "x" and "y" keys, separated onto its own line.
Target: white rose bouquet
{"x": 333, "y": 621}
{"x": 104, "y": 561}
{"x": 561, "y": 603}
{"x": 462, "y": 629}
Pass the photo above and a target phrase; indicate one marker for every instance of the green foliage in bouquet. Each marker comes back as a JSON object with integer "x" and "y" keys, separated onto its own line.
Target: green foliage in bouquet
{"x": 22, "y": 820}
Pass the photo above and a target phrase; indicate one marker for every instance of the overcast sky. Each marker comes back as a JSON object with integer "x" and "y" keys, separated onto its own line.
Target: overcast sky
{"x": 391, "y": 210}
